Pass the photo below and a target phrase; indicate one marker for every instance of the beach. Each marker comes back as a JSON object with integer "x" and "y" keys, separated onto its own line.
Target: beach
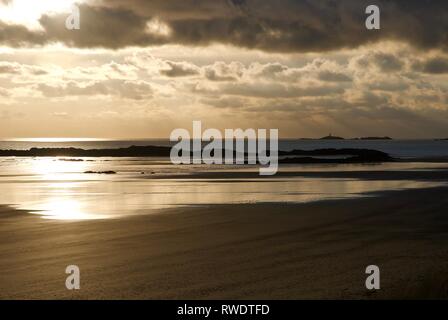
{"x": 223, "y": 150}
{"x": 316, "y": 250}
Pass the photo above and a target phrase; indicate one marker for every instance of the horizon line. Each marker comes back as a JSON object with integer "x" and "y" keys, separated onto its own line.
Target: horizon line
{"x": 91, "y": 139}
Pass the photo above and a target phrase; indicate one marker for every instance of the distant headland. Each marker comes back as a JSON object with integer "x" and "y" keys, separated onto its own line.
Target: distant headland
{"x": 373, "y": 138}
{"x": 332, "y": 137}
{"x": 295, "y": 156}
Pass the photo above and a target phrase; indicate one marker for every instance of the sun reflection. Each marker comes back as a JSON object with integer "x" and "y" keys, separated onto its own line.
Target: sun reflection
{"x": 61, "y": 189}
{"x": 56, "y": 168}
{"x": 64, "y": 209}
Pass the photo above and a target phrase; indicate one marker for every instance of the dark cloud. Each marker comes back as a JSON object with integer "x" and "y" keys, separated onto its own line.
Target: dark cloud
{"x": 300, "y": 25}
{"x": 271, "y": 70}
{"x": 223, "y": 72}
{"x": 100, "y": 27}
{"x": 387, "y": 62}
{"x": 437, "y": 65}
{"x": 276, "y": 26}
{"x": 331, "y": 76}
{"x": 389, "y": 86}
{"x": 17, "y": 36}
{"x": 180, "y": 69}
{"x": 172, "y": 9}
{"x": 212, "y": 75}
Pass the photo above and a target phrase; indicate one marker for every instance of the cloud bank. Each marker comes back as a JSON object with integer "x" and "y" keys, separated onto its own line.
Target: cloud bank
{"x": 272, "y": 26}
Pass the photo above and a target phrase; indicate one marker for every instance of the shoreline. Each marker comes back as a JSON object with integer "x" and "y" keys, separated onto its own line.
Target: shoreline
{"x": 248, "y": 251}
{"x": 431, "y": 175}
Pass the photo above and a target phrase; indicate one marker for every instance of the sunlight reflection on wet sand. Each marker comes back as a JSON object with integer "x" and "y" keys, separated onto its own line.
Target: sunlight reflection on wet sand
{"x": 58, "y": 189}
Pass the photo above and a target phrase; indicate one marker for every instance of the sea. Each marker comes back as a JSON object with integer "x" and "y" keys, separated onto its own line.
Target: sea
{"x": 396, "y": 148}
{"x": 59, "y": 188}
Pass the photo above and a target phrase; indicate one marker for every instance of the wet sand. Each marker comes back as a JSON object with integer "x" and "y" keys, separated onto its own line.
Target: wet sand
{"x": 424, "y": 174}
{"x": 260, "y": 251}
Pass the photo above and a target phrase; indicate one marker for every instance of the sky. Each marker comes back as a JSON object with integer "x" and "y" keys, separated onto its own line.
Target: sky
{"x": 140, "y": 69}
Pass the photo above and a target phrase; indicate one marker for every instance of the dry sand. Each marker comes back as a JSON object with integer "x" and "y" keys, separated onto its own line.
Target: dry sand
{"x": 261, "y": 251}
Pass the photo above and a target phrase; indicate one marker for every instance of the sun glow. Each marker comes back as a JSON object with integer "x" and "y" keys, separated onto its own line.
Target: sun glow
{"x": 62, "y": 183}
{"x": 28, "y": 12}
{"x": 57, "y": 169}
{"x": 64, "y": 209}
{"x": 54, "y": 139}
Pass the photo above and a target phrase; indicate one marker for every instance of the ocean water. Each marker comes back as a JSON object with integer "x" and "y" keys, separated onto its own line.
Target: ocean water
{"x": 55, "y": 188}
{"x": 396, "y": 148}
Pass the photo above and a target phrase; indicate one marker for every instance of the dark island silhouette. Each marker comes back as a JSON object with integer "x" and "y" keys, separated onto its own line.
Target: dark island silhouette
{"x": 345, "y": 155}
{"x": 101, "y": 172}
{"x": 331, "y": 137}
{"x": 334, "y": 156}
{"x": 373, "y": 138}
{"x": 132, "y": 151}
